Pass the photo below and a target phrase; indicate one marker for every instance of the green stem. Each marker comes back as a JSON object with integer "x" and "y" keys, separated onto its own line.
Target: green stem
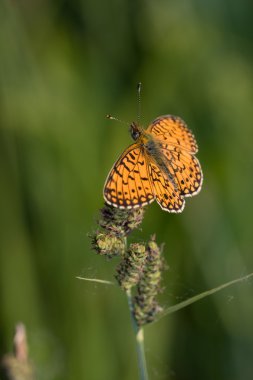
{"x": 141, "y": 354}
{"x": 139, "y": 336}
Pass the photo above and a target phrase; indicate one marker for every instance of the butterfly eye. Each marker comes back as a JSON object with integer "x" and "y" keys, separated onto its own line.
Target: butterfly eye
{"x": 135, "y": 133}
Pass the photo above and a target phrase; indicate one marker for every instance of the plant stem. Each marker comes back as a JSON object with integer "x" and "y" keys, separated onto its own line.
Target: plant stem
{"x": 139, "y": 336}
{"x": 141, "y": 354}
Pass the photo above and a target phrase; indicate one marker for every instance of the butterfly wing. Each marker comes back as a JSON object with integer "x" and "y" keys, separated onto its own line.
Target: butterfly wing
{"x": 173, "y": 129}
{"x": 167, "y": 195}
{"x": 184, "y": 168}
{"x": 127, "y": 185}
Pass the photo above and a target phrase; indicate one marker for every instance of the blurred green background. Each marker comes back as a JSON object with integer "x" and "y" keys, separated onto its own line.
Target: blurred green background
{"x": 63, "y": 66}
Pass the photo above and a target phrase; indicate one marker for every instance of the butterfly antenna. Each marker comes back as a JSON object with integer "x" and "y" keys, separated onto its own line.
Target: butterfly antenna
{"x": 139, "y": 102}
{"x": 115, "y": 118}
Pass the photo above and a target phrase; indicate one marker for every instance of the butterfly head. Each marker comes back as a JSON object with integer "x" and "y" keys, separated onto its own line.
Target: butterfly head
{"x": 135, "y": 131}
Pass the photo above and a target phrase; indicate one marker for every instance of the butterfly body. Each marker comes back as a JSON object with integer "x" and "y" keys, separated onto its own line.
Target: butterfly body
{"x": 160, "y": 165}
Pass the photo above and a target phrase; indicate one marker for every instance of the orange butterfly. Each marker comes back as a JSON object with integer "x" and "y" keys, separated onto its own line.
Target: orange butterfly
{"x": 160, "y": 165}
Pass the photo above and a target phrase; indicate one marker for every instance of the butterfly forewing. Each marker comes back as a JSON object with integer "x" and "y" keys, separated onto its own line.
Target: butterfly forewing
{"x": 128, "y": 184}
{"x": 173, "y": 130}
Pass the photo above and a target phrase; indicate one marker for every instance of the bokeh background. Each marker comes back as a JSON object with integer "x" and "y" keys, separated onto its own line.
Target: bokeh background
{"x": 64, "y": 65}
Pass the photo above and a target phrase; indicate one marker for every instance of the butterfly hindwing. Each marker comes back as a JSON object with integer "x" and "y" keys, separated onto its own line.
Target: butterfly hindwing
{"x": 128, "y": 185}
{"x": 185, "y": 169}
{"x": 167, "y": 195}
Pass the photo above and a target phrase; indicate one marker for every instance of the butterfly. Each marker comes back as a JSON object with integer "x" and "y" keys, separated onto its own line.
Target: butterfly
{"x": 160, "y": 165}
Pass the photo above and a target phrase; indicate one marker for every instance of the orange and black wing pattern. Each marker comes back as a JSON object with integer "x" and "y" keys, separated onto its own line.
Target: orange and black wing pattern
{"x": 178, "y": 147}
{"x": 184, "y": 168}
{"x": 127, "y": 185}
{"x": 167, "y": 195}
{"x": 173, "y": 131}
